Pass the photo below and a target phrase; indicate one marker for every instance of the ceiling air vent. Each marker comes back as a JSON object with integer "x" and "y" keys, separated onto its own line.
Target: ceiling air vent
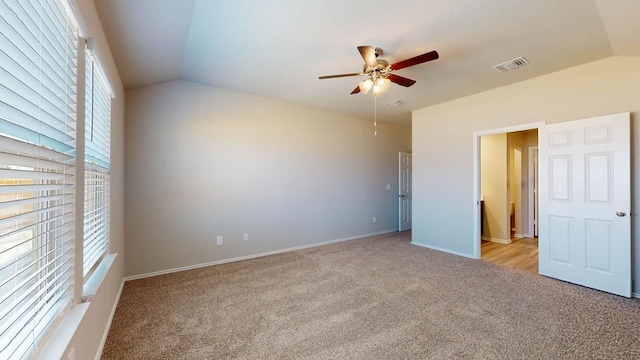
{"x": 511, "y": 64}
{"x": 396, "y": 103}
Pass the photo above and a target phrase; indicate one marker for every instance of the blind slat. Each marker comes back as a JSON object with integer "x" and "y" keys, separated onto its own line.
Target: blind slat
{"x": 68, "y": 225}
{"x": 65, "y": 259}
{"x": 68, "y": 206}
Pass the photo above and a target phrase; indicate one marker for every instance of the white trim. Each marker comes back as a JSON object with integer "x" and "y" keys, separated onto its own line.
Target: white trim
{"x": 476, "y": 177}
{"x": 56, "y": 345}
{"x": 103, "y": 341}
{"x": 635, "y": 295}
{"x": 530, "y": 196}
{"x": 91, "y": 286}
{"x": 443, "y": 250}
{"x": 496, "y": 240}
{"x": 518, "y": 236}
{"x": 73, "y": 9}
{"x": 253, "y": 256}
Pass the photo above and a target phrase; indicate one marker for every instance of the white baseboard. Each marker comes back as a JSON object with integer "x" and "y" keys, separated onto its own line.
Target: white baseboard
{"x": 443, "y": 250}
{"x": 253, "y": 256}
{"x": 501, "y": 241}
{"x": 635, "y": 295}
{"x": 518, "y": 236}
{"x": 106, "y": 330}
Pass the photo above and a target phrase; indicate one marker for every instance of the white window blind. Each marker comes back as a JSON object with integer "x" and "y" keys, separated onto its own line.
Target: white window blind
{"x": 97, "y": 164}
{"x": 38, "y": 71}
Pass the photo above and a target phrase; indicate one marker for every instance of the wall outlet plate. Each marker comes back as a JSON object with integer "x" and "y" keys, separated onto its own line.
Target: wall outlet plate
{"x": 245, "y": 237}
{"x": 375, "y": 220}
{"x": 219, "y": 240}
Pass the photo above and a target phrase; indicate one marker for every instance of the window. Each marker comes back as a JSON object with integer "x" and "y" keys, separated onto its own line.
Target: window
{"x": 38, "y": 68}
{"x": 96, "y": 164}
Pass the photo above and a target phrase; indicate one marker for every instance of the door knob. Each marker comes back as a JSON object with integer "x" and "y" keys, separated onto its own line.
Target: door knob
{"x": 621, "y": 213}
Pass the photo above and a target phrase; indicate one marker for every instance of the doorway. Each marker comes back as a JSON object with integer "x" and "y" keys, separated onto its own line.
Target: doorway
{"x": 502, "y": 215}
{"x": 504, "y": 195}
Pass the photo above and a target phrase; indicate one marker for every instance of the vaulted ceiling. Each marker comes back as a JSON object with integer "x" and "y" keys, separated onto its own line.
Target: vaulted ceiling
{"x": 277, "y": 49}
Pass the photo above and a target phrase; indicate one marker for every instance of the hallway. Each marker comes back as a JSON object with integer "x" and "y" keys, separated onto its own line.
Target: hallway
{"x": 520, "y": 254}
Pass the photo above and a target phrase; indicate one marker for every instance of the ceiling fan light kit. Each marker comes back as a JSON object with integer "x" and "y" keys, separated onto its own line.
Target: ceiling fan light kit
{"x": 378, "y": 74}
{"x": 379, "y": 86}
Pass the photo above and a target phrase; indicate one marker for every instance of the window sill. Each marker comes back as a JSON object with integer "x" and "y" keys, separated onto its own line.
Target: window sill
{"x": 91, "y": 286}
{"x": 57, "y": 343}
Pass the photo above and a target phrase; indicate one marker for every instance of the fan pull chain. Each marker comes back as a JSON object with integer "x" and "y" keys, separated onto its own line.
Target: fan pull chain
{"x": 375, "y": 115}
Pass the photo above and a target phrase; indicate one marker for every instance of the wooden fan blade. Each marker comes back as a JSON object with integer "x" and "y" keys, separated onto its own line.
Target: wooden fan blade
{"x": 415, "y": 60}
{"x": 401, "y": 80}
{"x": 337, "y": 76}
{"x": 356, "y": 90}
{"x": 369, "y": 56}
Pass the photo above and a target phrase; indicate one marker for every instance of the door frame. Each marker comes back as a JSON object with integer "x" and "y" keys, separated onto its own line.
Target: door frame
{"x": 531, "y": 232}
{"x": 477, "y": 218}
{"x": 517, "y": 212}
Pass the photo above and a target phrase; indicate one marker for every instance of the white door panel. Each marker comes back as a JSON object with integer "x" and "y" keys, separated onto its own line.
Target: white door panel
{"x": 584, "y": 183}
{"x": 405, "y": 187}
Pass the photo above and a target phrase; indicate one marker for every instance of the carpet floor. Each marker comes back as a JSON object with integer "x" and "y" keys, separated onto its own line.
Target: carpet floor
{"x": 372, "y": 298}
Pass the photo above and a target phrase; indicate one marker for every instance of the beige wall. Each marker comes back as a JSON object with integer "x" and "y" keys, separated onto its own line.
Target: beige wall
{"x": 443, "y": 141}
{"x": 493, "y": 172}
{"x": 203, "y": 162}
{"x": 88, "y": 337}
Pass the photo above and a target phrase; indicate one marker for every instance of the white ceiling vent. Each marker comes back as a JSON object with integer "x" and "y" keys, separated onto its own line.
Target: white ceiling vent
{"x": 511, "y": 64}
{"x": 396, "y": 103}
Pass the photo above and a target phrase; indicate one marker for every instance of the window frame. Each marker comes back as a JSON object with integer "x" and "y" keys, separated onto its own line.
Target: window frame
{"x": 104, "y": 93}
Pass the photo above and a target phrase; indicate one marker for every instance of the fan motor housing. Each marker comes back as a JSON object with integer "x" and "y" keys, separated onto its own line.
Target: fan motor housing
{"x": 382, "y": 64}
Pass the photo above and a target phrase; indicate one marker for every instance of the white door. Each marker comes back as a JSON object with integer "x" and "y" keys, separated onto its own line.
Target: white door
{"x": 404, "y": 187}
{"x": 585, "y": 226}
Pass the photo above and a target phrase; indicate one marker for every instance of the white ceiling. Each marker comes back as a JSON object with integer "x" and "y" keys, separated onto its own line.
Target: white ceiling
{"x": 277, "y": 49}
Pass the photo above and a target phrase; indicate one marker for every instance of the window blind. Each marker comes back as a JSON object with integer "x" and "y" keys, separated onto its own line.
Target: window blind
{"x": 97, "y": 164}
{"x": 38, "y": 68}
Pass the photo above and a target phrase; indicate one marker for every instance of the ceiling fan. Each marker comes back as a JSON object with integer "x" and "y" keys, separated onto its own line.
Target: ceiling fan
{"x": 379, "y": 74}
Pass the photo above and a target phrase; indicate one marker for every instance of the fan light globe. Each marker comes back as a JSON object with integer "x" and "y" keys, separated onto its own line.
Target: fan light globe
{"x": 365, "y": 85}
{"x": 381, "y": 86}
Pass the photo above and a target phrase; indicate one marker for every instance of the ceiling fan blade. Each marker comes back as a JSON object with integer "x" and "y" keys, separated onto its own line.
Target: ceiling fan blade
{"x": 415, "y": 60}
{"x": 401, "y": 80}
{"x": 337, "y": 76}
{"x": 369, "y": 56}
{"x": 356, "y": 90}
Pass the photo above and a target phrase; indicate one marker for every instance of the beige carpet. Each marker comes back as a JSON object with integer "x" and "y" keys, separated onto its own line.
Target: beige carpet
{"x": 373, "y": 298}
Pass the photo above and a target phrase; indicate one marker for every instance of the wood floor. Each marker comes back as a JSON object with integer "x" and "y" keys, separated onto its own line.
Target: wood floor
{"x": 520, "y": 254}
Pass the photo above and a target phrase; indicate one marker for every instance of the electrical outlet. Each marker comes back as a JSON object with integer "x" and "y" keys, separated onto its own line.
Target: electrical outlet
{"x": 71, "y": 355}
{"x": 245, "y": 237}
{"x": 388, "y": 186}
{"x": 375, "y": 220}
{"x": 219, "y": 240}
